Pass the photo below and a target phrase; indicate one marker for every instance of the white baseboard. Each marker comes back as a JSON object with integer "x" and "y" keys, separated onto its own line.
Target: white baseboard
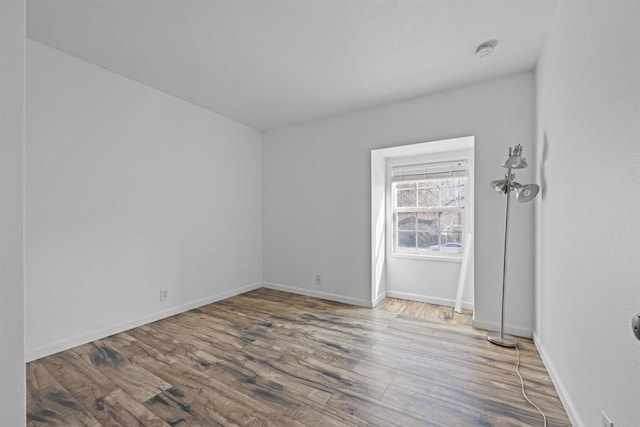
{"x": 569, "y": 406}
{"x": 68, "y": 343}
{"x": 431, "y": 300}
{"x": 519, "y": 331}
{"x": 379, "y": 298}
{"x": 317, "y": 294}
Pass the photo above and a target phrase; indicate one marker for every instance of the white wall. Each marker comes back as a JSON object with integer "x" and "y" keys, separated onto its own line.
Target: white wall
{"x": 588, "y": 232}
{"x": 129, "y": 190}
{"x": 317, "y": 196}
{"x": 431, "y": 280}
{"x": 12, "y": 380}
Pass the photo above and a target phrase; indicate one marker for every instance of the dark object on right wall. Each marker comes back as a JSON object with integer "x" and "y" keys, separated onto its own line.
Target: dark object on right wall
{"x": 635, "y": 324}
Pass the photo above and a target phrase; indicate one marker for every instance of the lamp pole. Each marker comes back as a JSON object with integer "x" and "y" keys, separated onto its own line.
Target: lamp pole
{"x": 524, "y": 193}
{"x": 502, "y": 339}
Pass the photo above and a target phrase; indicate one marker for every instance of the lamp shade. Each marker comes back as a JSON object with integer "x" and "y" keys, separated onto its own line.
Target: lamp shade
{"x": 526, "y": 193}
{"x": 500, "y": 185}
{"x": 515, "y": 160}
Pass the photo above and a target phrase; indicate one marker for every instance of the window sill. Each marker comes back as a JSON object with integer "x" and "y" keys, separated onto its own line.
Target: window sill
{"x": 445, "y": 258}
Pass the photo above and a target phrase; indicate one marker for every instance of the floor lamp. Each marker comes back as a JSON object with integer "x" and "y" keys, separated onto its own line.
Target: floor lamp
{"x": 524, "y": 193}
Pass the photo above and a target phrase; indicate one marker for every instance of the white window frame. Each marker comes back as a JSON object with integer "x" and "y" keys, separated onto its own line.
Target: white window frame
{"x": 443, "y": 157}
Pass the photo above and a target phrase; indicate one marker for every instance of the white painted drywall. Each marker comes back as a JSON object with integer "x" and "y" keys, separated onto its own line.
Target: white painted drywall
{"x": 588, "y": 230}
{"x": 268, "y": 63}
{"x": 378, "y": 226}
{"x": 12, "y": 378}
{"x": 129, "y": 190}
{"x": 317, "y": 192}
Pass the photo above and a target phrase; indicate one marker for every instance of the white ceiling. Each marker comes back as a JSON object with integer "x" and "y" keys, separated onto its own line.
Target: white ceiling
{"x": 269, "y": 63}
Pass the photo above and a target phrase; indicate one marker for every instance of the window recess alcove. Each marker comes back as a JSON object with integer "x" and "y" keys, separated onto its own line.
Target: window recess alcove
{"x": 422, "y": 222}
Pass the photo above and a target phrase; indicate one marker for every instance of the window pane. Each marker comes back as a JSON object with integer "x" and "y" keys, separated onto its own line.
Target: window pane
{"x": 407, "y": 221}
{"x": 428, "y": 241}
{"x": 405, "y": 185}
{"x": 406, "y": 198}
{"x": 451, "y": 247}
{"x": 451, "y": 230}
{"x": 406, "y": 239}
{"x": 434, "y": 230}
{"x": 428, "y": 221}
{"x": 428, "y": 197}
{"x": 452, "y": 192}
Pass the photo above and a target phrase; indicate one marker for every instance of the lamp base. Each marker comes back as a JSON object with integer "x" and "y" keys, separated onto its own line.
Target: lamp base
{"x": 504, "y": 341}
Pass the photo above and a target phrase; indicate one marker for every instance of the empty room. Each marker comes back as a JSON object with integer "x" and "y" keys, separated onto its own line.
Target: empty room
{"x": 320, "y": 213}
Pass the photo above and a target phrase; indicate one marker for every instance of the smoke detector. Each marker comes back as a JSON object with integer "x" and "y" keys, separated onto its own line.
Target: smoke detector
{"x": 486, "y": 48}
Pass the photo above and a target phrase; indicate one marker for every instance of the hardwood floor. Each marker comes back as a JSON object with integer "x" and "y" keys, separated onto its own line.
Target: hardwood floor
{"x": 277, "y": 359}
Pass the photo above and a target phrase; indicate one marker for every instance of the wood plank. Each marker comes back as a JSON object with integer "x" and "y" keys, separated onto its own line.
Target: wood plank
{"x": 76, "y": 375}
{"x": 287, "y": 400}
{"x": 278, "y": 359}
{"x": 175, "y": 410}
{"x": 141, "y": 415}
{"x": 220, "y": 402}
{"x": 467, "y": 398}
{"x": 138, "y": 352}
{"x": 135, "y": 380}
{"x": 49, "y": 403}
{"x": 375, "y": 412}
{"x": 436, "y": 411}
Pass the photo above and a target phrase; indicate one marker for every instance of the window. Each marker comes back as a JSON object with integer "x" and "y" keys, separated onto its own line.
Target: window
{"x": 428, "y": 203}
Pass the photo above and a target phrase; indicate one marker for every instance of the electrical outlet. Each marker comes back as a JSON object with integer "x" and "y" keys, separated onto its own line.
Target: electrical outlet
{"x": 606, "y": 422}
{"x": 318, "y": 279}
{"x": 164, "y": 294}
